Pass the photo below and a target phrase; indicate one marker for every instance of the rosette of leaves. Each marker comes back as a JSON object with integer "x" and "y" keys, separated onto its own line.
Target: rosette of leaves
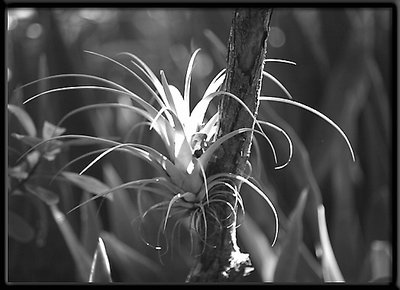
{"x": 189, "y": 136}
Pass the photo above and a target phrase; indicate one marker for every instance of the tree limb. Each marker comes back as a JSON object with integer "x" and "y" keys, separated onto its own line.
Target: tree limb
{"x": 221, "y": 259}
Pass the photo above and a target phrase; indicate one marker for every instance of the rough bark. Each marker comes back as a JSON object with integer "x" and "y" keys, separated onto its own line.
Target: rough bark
{"x": 221, "y": 259}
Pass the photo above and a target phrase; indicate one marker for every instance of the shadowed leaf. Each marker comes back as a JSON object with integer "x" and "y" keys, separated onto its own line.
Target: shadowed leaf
{"x": 289, "y": 257}
{"x": 18, "y": 228}
{"x": 130, "y": 262}
{"x": 90, "y": 225}
{"x": 88, "y": 183}
{"x": 47, "y": 196}
{"x": 80, "y": 256}
{"x": 122, "y": 210}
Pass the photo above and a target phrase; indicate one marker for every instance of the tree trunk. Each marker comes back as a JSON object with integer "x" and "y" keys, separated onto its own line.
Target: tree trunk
{"x": 221, "y": 259}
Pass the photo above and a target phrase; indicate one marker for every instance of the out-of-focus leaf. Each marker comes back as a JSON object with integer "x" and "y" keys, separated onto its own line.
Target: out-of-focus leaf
{"x": 308, "y": 269}
{"x": 90, "y": 225}
{"x": 49, "y": 130}
{"x": 88, "y": 183}
{"x": 381, "y": 260}
{"x": 219, "y": 49}
{"x": 33, "y": 158}
{"x": 80, "y": 256}
{"x": 29, "y": 140}
{"x": 100, "y": 271}
{"x": 18, "y": 172}
{"x": 257, "y": 244}
{"x": 18, "y": 228}
{"x": 122, "y": 210}
{"x": 288, "y": 259}
{"x": 330, "y": 268}
{"x": 310, "y": 23}
{"x": 128, "y": 261}
{"x": 42, "y": 225}
{"x": 45, "y": 195}
{"x": 24, "y": 118}
{"x": 49, "y": 150}
{"x": 382, "y": 280}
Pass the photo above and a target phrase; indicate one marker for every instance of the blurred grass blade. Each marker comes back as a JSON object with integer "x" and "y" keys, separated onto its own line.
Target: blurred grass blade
{"x": 381, "y": 260}
{"x": 24, "y": 118}
{"x": 131, "y": 263}
{"x": 80, "y": 256}
{"x": 330, "y": 268}
{"x": 287, "y": 264}
{"x": 88, "y": 183}
{"x": 43, "y": 194}
{"x": 18, "y": 228}
{"x": 100, "y": 271}
{"x": 122, "y": 210}
{"x": 91, "y": 225}
{"x": 258, "y": 245}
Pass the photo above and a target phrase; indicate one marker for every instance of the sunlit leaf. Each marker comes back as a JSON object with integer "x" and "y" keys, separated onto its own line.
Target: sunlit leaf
{"x": 381, "y": 260}
{"x": 100, "y": 271}
{"x": 330, "y": 268}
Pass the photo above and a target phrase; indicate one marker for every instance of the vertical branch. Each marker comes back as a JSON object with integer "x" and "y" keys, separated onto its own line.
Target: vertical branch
{"x": 221, "y": 259}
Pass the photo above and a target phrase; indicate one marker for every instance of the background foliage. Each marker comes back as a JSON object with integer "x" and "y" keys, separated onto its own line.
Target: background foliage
{"x": 344, "y": 69}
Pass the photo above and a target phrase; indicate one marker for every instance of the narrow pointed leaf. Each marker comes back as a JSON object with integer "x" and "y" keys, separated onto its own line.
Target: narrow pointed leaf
{"x": 330, "y": 268}
{"x": 215, "y": 83}
{"x": 100, "y": 271}
{"x": 188, "y": 78}
{"x": 130, "y": 71}
{"x": 275, "y": 80}
{"x": 149, "y": 73}
{"x": 319, "y": 114}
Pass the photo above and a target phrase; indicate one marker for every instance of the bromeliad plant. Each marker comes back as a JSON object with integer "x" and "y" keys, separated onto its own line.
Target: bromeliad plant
{"x": 189, "y": 136}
